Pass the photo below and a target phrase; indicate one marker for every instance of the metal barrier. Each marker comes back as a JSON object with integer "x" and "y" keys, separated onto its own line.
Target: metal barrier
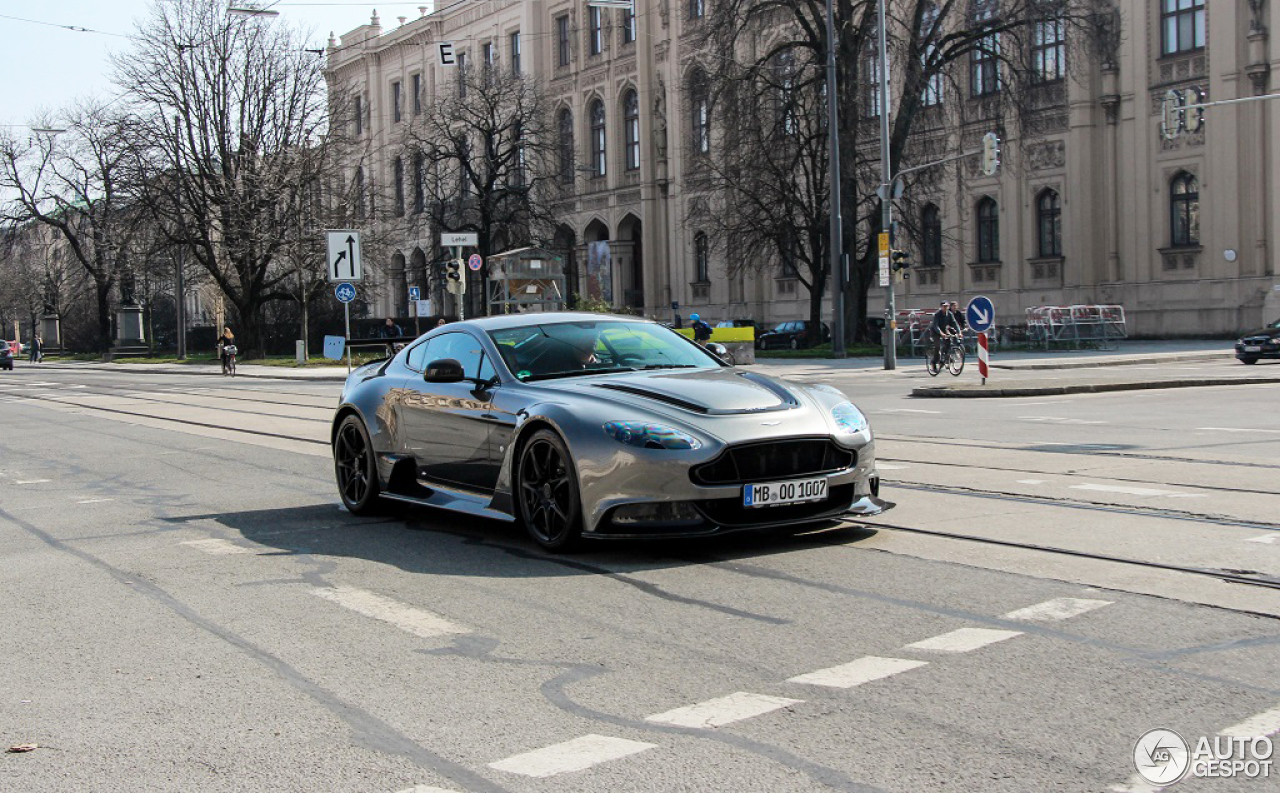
{"x": 1076, "y": 326}
{"x": 913, "y": 327}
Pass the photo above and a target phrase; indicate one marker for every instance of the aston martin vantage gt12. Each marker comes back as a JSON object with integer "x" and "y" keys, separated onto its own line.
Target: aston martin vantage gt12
{"x": 584, "y": 425}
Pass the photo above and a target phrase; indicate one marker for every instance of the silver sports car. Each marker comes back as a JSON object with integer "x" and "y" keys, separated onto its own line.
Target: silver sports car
{"x": 584, "y": 425}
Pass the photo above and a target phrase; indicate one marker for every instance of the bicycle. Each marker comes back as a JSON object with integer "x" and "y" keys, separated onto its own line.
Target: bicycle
{"x": 229, "y": 360}
{"x": 950, "y": 353}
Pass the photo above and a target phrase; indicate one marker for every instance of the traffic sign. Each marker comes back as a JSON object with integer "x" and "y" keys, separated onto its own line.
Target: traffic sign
{"x": 884, "y": 258}
{"x": 981, "y": 313}
{"x": 345, "y": 293}
{"x": 459, "y": 239}
{"x": 475, "y": 261}
{"x": 415, "y": 293}
{"x": 345, "y": 262}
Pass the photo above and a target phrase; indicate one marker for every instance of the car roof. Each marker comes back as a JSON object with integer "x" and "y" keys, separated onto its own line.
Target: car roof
{"x": 505, "y": 321}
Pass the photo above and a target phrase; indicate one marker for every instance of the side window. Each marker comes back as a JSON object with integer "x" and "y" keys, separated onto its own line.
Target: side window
{"x": 462, "y": 347}
{"x": 418, "y": 356}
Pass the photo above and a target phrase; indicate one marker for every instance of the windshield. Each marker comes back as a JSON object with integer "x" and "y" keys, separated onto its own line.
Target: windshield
{"x": 568, "y": 349}
{"x": 1275, "y": 324}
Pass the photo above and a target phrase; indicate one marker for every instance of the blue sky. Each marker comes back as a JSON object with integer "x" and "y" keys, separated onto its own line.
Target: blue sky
{"x": 43, "y": 66}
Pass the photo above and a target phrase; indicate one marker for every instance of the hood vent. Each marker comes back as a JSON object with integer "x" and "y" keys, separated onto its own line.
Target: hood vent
{"x": 777, "y": 390}
{"x": 654, "y": 395}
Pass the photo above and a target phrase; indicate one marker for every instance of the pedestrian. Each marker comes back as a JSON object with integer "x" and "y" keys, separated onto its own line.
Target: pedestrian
{"x": 958, "y": 317}
{"x": 390, "y": 330}
{"x": 701, "y": 330}
{"x": 227, "y": 349}
{"x": 37, "y": 349}
{"x": 440, "y": 323}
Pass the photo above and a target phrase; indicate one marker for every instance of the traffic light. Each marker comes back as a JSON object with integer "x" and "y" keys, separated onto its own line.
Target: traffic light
{"x": 990, "y": 153}
{"x": 455, "y": 277}
{"x": 901, "y": 263}
{"x": 1193, "y": 96}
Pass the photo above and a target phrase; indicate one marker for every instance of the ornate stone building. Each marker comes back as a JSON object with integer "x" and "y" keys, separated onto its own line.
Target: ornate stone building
{"x": 1095, "y": 208}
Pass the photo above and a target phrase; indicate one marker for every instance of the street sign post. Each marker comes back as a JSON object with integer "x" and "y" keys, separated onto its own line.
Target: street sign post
{"x": 344, "y": 260}
{"x": 884, "y": 258}
{"x": 475, "y": 261}
{"x": 983, "y": 357}
{"x": 345, "y": 294}
{"x": 415, "y": 293}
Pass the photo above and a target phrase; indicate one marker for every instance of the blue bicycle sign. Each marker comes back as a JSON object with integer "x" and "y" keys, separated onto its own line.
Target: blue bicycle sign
{"x": 345, "y": 292}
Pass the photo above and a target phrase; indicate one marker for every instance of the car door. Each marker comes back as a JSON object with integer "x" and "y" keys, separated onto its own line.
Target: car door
{"x": 446, "y": 425}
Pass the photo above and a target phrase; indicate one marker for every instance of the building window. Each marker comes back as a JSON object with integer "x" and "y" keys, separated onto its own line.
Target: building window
{"x": 1181, "y": 25}
{"x": 785, "y": 74}
{"x": 419, "y": 183}
{"x": 595, "y": 30}
{"x": 1184, "y": 206}
{"x": 359, "y": 187}
{"x": 417, "y": 94}
{"x": 931, "y": 236}
{"x": 629, "y": 25}
{"x": 597, "y": 139}
{"x": 566, "y": 146}
{"x": 489, "y": 53}
{"x": 359, "y": 108}
{"x": 984, "y": 69}
{"x": 515, "y": 53}
{"x": 871, "y": 106}
{"x": 988, "y": 231}
{"x": 931, "y": 95}
{"x": 397, "y": 173}
{"x": 699, "y": 113}
{"x": 562, "y": 40}
{"x": 1048, "y": 49}
{"x": 462, "y": 75}
{"x": 1048, "y": 225}
{"x": 701, "y": 259}
{"x": 395, "y": 102}
{"x": 697, "y": 9}
{"x": 631, "y": 124}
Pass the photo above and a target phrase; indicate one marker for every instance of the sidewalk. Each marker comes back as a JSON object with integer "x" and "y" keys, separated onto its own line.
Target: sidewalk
{"x": 329, "y": 374}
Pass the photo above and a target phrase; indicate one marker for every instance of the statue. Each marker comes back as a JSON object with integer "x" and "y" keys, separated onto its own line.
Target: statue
{"x": 660, "y": 119}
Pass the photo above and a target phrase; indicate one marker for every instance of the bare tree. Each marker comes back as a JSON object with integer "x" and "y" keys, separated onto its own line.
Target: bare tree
{"x": 481, "y": 158}
{"x": 235, "y": 112}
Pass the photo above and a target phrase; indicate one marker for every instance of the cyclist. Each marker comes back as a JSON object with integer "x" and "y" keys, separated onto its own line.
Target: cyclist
{"x": 227, "y": 351}
{"x": 944, "y": 323}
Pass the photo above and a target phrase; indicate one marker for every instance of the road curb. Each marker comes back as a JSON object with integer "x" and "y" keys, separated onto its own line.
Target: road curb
{"x": 197, "y": 370}
{"x": 980, "y": 392}
{"x": 1200, "y": 356}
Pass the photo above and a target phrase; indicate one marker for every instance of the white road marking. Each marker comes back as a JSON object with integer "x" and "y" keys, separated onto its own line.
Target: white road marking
{"x": 963, "y": 640}
{"x": 890, "y": 467}
{"x": 1056, "y": 609}
{"x": 1269, "y": 539}
{"x": 31, "y": 481}
{"x": 724, "y": 710}
{"x": 575, "y": 755}
{"x": 1059, "y": 420}
{"x": 1233, "y": 429}
{"x": 426, "y": 789}
{"x": 909, "y": 410}
{"x": 417, "y": 621}
{"x": 217, "y": 546}
{"x": 855, "y": 673}
{"x": 95, "y": 500}
{"x": 1031, "y": 481}
{"x": 1132, "y": 491}
{"x": 1265, "y": 723}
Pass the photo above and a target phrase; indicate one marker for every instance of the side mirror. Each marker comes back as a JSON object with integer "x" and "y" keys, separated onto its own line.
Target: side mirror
{"x": 718, "y": 350}
{"x": 445, "y": 370}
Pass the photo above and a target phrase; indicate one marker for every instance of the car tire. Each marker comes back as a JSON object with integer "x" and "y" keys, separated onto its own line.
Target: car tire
{"x": 355, "y": 467}
{"x": 1248, "y": 359}
{"x": 795, "y": 343}
{"x": 548, "y": 501}
{"x": 764, "y": 344}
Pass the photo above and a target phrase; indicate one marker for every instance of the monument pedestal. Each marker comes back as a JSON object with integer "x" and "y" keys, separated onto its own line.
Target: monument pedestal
{"x": 51, "y": 333}
{"x": 130, "y": 337}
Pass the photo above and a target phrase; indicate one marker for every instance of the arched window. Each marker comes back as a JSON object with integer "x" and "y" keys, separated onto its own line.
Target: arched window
{"x": 1184, "y": 210}
{"x": 699, "y": 113}
{"x": 931, "y": 236}
{"x": 598, "y": 166}
{"x": 631, "y": 123}
{"x": 566, "y": 146}
{"x": 988, "y": 230}
{"x": 1048, "y": 225}
{"x": 701, "y": 258}
{"x": 397, "y": 174}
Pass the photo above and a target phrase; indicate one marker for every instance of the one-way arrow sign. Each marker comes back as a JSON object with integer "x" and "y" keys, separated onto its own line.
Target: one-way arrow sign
{"x": 344, "y": 260}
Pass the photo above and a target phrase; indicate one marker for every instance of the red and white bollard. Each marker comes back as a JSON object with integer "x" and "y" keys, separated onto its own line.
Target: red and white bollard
{"x": 982, "y": 356}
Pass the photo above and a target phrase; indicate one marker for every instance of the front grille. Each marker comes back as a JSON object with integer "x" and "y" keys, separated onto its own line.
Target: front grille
{"x": 730, "y": 512}
{"x": 758, "y": 462}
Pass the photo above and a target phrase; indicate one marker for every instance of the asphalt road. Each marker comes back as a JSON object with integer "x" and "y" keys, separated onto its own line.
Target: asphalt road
{"x": 186, "y": 607}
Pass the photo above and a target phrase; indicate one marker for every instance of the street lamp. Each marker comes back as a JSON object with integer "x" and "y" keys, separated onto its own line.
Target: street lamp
{"x": 249, "y": 11}
{"x": 47, "y": 130}
{"x": 837, "y": 223}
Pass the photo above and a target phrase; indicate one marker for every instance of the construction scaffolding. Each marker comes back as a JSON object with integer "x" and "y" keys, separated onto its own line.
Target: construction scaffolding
{"x": 526, "y": 279}
{"x": 1076, "y": 326}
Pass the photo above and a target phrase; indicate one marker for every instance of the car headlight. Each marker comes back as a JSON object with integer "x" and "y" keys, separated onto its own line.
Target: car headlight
{"x": 650, "y": 436}
{"x": 848, "y": 418}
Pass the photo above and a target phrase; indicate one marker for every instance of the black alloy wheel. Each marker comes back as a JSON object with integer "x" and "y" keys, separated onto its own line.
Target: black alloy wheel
{"x": 795, "y": 342}
{"x": 547, "y": 493}
{"x": 355, "y": 467}
{"x": 1249, "y": 359}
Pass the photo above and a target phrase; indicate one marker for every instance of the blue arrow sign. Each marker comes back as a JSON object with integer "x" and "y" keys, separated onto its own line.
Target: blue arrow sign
{"x": 345, "y": 292}
{"x": 981, "y": 313}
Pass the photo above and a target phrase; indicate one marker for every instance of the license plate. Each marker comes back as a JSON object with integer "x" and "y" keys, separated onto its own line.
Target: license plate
{"x": 1253, "y": 348}
{"x": 773, "y": 494}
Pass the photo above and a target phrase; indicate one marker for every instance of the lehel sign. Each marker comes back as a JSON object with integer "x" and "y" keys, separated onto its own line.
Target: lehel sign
{"x": 459, "y": 239}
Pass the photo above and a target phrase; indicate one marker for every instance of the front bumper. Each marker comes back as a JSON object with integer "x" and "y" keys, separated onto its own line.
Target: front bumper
{"x": 1256, "y": 349}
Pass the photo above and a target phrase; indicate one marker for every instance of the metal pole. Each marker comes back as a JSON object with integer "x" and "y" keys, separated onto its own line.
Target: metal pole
{"x": 346, "y": 309}
{"x": 836, "y": 243}
{"x": 886, "y": 200}
{"x": 182, "y": 306}
{"x": 462, "y": 281}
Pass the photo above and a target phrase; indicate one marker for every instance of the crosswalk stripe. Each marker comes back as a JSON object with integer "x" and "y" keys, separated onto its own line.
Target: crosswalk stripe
{"x": 216, "y": 546}
{"x": 855, "y": 673}
{"x": 723, "y": 710}
{"x": 1056, "y": 609}
{"x": 416, "y": 621}
{"x": 963, "y": 640}
{"x": 575, "y": 755}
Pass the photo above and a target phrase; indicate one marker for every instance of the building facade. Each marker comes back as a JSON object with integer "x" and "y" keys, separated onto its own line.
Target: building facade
{"x": 1093, "y": 206}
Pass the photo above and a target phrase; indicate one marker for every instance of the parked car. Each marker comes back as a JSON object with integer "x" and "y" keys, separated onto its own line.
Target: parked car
{"x": 6, "y": 356}
{"x": 736, "y": 323}
{"x": 796, "y": 334}
{"x": 586, "y": 425}
{"x": 1264, "y": 343}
